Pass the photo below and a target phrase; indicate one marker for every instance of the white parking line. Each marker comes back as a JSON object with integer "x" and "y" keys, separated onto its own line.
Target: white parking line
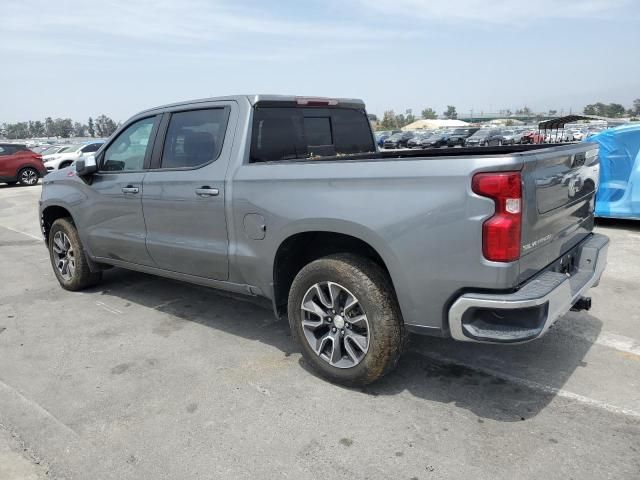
{"x": 619, "y": 342}
{"x": 534, "y": 385}
{"x": 115, "y": 311}
{"x": 23, "y": 233}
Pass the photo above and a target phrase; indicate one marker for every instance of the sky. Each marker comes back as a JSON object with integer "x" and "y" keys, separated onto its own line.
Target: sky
{"x": 78, "y": 58}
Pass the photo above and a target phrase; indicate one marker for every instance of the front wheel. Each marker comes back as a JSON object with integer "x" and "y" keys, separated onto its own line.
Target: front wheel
{"x": 344, "y": 315}
{"x": 68, "y": 257}
{"x": 28, "y": 176}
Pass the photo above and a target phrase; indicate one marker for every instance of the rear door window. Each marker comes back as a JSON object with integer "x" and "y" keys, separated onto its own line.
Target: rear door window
{"x": 288, "y": 133}
{"x": 194, "y": 138}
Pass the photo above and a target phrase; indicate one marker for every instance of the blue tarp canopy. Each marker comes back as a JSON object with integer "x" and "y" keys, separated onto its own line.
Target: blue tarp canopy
{"x": 619, "y": 192}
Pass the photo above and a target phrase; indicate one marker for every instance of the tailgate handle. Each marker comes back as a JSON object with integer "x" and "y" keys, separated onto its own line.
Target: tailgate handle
{"x": 130, "y": 189}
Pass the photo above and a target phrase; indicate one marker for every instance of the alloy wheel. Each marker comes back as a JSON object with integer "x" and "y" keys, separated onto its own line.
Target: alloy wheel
{"x": 64, "y": 256}
{"x": 335, "y": 324}
{"x": 29, "y": 176}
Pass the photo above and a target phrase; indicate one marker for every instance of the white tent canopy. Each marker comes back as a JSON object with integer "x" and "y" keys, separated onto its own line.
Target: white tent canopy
{"x": 431, "y": 124}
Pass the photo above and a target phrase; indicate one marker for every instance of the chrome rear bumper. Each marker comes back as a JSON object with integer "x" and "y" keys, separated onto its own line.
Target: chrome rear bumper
{"x": 529, "y": 312}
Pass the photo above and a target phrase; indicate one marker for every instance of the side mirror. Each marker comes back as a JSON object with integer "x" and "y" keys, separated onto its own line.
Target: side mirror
{"x": 86, "y": 166}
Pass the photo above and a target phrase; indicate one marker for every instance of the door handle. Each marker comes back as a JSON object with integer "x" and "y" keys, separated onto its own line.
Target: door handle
{"x": 207, "y": 192}
{"x": 130, "y": 189}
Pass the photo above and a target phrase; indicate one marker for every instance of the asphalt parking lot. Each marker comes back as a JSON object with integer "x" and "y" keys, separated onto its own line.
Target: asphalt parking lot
{"x": 143, "y": 378}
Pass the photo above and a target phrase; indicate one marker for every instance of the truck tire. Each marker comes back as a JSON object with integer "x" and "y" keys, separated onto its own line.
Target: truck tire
{"x": 344, "y": 315}
{"x": 68, "y": 257}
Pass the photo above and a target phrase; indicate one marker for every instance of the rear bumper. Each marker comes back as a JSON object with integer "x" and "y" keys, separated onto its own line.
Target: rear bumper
{"x": 529, "y": 312}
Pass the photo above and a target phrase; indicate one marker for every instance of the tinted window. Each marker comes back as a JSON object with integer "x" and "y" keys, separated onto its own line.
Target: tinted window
{"x": 317, "y": 131}
{"x": 91, "y": 148}
{"x": 194, "y": 138}
{"x": 3, "y": 151}
{"x": 127, "y": 152}
{"x": 284, "y": 133}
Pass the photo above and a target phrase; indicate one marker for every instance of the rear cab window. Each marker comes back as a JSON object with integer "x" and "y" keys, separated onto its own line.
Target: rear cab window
{"x": 309, "y": 133}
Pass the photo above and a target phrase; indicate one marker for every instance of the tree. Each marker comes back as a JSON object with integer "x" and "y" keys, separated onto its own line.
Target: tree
{"x": 48, "y": 127}
{"x": 615, "y": 110}
{"x": 17, "y": 130}
{"x": 62, "y": 127}
{"x": 90, "y": 128}
{"x": 401, "y": 121}
{"x": 429, "y": 114}
{"x": 105, "y": 126}
{"x": 601, "y": 110}
{"x": 553, "y": 113}
{"x": 451, "y": 113}
{"x": 372, "y": 117}
{"x": 79, "y": 129}
{"x": 36, "y": 128}
{"x": 388, "y": 120}
{"x": 410, "y": 117}
{"x": 636, "y": 106}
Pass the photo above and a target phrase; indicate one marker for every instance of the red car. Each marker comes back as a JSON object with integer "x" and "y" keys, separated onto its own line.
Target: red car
{"x": 532, "y": 137}
{"x": 19, "y": 164}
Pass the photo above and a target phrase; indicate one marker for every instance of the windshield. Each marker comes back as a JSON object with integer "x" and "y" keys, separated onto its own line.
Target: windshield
{"x": 70, "y": 148}
{"x": 50, "y": 150}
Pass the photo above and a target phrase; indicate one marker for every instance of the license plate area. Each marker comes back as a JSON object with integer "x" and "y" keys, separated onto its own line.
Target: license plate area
{"x": 567, "y": 264}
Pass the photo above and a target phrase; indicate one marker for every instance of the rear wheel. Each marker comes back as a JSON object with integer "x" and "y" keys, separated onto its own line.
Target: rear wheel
{"x": 343, "y": 313}
{"x": 28, "y": 176}
{"x": 68, "y": 257}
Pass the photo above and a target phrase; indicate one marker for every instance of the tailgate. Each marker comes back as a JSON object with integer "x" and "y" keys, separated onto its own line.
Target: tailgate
{"x": 559, "y": 201}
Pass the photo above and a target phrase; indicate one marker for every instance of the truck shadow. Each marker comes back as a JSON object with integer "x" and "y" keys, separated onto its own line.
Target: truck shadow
{"x": 498, "y": 382}
{"x": 618, "y": 223}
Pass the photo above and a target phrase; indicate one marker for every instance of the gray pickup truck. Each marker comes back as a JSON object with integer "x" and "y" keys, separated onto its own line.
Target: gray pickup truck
{"x": 287, "y": 198}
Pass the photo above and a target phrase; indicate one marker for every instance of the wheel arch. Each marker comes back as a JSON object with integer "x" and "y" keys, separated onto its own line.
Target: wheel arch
{"x": 49, "y": 215}
{"x": 300, "y": 248}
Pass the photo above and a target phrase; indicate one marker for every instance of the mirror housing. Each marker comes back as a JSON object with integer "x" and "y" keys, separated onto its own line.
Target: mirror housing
{"x": 86, "y": 166}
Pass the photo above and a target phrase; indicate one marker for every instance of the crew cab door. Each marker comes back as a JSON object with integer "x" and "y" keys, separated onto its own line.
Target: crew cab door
{"x": 115, "y": 227}
{"x": 184, "y": 191}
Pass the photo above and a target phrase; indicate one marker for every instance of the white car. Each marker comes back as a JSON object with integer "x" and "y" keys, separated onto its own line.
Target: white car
{"x": 70, "y": 154}
{"x": 578, "y": 135}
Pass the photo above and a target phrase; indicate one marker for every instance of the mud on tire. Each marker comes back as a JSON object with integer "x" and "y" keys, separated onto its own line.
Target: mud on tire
{"x": 373, "y": 290}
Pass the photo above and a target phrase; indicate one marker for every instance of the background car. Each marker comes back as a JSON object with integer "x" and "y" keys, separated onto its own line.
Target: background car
{"x": 459, "y": 135}
{"x": 508, "y": 137}
{"x": 51, "y": 149}
{"x": 531, "y": 137}
{"x": 381, "y": 137}
{"x": 398, "y": 140}
{"x": 439, "y": 139}
{"x": 485, "y": 137}
{"x": 418, "y": 140}
{"x": 19, "y": 164}
{"x": 553, "y": 136}
{"x": 66, "y": 156}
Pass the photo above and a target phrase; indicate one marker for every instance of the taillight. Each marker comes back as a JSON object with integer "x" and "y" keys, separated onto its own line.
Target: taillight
{"x": 501, "y": 232}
